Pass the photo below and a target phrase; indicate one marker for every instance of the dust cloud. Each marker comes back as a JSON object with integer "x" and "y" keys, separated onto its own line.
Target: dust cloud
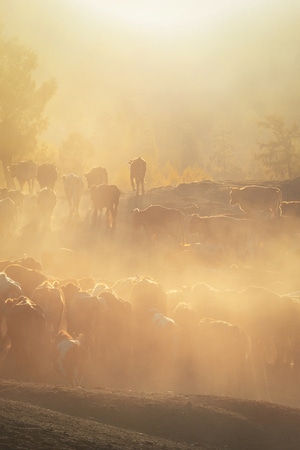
{"x": 158, "y": 90}
{"x": 131, "y": 79}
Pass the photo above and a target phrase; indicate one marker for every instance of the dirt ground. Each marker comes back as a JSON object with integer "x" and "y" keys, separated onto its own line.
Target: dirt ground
{"x": 45, "y": 416}
{"x": 35, "y": 416}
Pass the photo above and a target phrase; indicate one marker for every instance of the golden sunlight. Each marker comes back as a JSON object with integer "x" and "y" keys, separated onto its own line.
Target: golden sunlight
{"x": 155, "y": 14}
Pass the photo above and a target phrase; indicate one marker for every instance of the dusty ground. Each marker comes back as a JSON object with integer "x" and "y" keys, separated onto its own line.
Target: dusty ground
{"x": 35, "y": 416}
{"x": 46, "y": 417}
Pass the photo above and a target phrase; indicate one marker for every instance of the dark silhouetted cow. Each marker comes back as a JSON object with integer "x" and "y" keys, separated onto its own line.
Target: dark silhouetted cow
{"x": 73, "y": 186}
{"x": 106, "y": 196}
{"x": 255, "y": 200}
{"x": 96, "y": 176}
{"x": 69, "y": 358}
{"x": 46, "y": 175}
{"x": 161, "y": 221}
{"x": 46, "y": 201}
{"x": 24, "y": 172}
{"x": 138, "y": 168}
{"x": 290, "y": 209}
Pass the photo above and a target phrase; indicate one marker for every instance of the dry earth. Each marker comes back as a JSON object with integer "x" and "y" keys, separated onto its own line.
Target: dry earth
{"x": 44, "y": 416}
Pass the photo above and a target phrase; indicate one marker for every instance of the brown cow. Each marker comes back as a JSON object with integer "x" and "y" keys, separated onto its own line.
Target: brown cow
{"x": 46, "y": 201}
{"x": 138, "y": 168}
{"x": 28, "y": 279}
{"x": 105, "y": 196}
{"x": 9, "y": 288}
{"x": 46, "y": 175}
{"x": 73, "y": 186}
{"x": 69, "y": 357}
{"x": 257, "y": 199}
{"x": 223, "y": 351}
{"x": 24, "y": 172}
{"x": 154, "y": 349}
{"x": 146, "y": 294}
{"x": 28, "y": 337}
{"x": 291, "y": 209}
{"x": 84, "y": 312}
{"x": 15, "y": 195}
{"x": 226, "y": 232}
{"x": 96, "y": 176}
{"x": 49, "y": 298}
{"x": 161, "y": 221}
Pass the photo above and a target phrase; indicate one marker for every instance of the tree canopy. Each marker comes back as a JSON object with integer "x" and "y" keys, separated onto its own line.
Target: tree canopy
{"x": 280, "y": 155}
{"x": 22, "y": 101}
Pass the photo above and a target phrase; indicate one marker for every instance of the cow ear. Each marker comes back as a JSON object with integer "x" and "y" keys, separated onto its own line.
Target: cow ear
{"x": 136, "y": 210}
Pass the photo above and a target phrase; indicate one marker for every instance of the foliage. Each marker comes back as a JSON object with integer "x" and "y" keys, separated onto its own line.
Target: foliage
{"x": 222, "y": 159}
{"x": 280, "y": 155}
{"x": 188, "y": 139}
{"x": 193, "y": 173}
{"x": 76, "y": 154}
{"x": 45, "y": 152}
{"x": 22, "y": 102}
{"x": 160, "y": 175}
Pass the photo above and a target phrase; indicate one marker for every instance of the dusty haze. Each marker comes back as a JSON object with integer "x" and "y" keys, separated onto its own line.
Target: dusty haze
{"x": 134, "y": 79}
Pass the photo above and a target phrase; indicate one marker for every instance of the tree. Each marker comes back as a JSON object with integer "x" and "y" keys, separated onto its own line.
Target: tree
{"x": 280, "y": 155}
{"x": 22, "y": 102}
{"x": 189, "y": 145}
{"x": 222, "y": 159}
{"x": 76, "y": 154}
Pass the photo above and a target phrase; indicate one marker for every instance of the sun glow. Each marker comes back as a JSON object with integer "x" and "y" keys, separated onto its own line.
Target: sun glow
{"x": 154, "y": 14}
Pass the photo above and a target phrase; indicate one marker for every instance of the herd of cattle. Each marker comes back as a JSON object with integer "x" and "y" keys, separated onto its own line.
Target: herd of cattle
{"x": 135, "y": 332}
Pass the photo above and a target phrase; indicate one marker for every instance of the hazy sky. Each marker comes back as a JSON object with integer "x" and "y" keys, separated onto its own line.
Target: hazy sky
{"x": 205, "y": 59}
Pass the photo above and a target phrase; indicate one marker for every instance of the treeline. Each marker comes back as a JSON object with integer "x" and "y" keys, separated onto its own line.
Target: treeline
{"x": 174, "y": 153}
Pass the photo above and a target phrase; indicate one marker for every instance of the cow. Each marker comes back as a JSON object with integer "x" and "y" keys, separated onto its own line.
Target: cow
{"x": 46, "y": 201}
{"x": 290, "y": 209}
{"x": 8, "y": 217}
{"x": 257, "y": 200}
{"x": 96, "y": 176}
{"x": 46, "y": 175}
{"x": 9, "y": 288}
{"x": 69, "y": 357}
{"x": 29, "y": 279}
{"x": 105, "y": 196}
{"x": 186, "y": 373}
{"x": 225, "y": 232}
{"x": 154, "y": 349}
{"x": 24, "y": 172}
{"x": 160, "y": 221}
{"x": 138, "y": 168}
{"x": 147, "y": 294}
{"x": 272, "y": 321}
{"x": 49, "y": 297}
{"x": 28, "y": 339}
{"x": 113, "y": 349}
{"x": 16, "y": 196}
{"x": 73, "y": 187}
{"x": 224, "y": 351}
{"x": 29, "y": 262}
{"x": 84, "y": 312}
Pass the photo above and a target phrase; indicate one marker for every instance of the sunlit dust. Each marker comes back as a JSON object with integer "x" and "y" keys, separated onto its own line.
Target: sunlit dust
{"x": 156, "y": 14}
